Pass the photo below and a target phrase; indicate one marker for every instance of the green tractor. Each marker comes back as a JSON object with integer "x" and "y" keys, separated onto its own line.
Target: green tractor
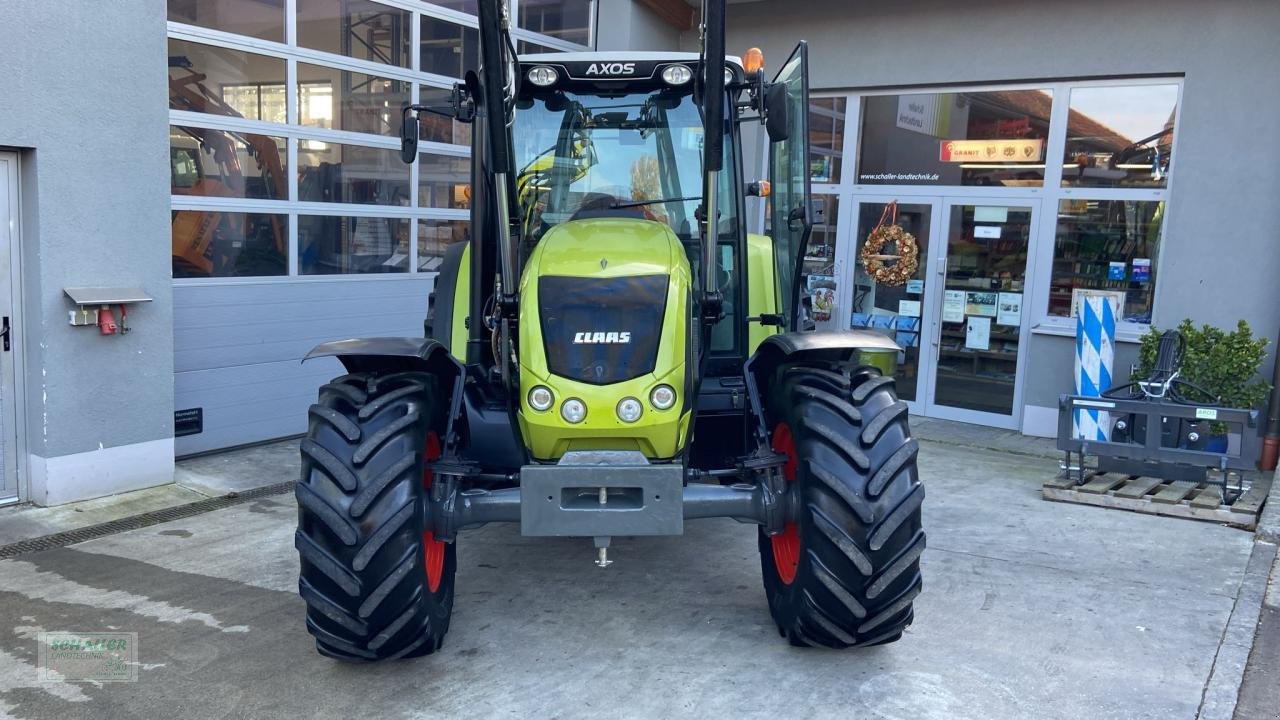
{"x": 612, "y": 354}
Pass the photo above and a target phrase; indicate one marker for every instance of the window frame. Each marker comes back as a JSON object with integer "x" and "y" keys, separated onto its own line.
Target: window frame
{"x": 293, "y": 132}
{"x": 1040, "y": 259}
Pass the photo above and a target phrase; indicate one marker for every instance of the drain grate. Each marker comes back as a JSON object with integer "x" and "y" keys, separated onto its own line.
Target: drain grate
{"x": 133, "y": 522}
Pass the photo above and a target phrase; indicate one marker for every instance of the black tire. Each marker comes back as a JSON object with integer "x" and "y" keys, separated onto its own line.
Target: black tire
{"x": 360, "y": 527}
{"x": 859, "y": 531}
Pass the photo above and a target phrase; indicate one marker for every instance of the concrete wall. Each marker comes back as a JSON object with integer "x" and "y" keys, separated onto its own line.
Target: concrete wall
{"x": 83, "y": 88}
{"x": 1218, "y": 261}
{"x": 627, "y": 25}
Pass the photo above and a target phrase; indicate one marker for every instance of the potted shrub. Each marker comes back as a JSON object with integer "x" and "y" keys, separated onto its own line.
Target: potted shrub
{"x": 1223, "y": 363}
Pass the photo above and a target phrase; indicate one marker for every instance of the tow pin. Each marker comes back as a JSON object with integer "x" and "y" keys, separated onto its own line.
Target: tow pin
{"x": 602, "y": 547}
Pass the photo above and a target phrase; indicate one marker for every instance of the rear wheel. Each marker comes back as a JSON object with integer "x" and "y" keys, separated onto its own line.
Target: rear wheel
{"x": 846, "y": 572}
{"x": 376, "y": 583}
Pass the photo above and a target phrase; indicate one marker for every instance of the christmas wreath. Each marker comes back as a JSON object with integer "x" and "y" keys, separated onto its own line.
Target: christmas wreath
{"x": 907, "y": 256}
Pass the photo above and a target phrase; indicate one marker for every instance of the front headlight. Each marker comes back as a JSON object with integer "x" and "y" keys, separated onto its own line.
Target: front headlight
{"x": 543, "y": 76}
{"x": 540, "y": 398}
{"x": 629, "y": 410}
{"x": 663, "y": 397}
{"x": 573, "y": 411}
{"x": 676, "y": 74}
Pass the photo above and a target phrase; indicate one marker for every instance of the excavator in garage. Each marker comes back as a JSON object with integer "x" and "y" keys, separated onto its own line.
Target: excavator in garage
{"x": 612, "y": 354}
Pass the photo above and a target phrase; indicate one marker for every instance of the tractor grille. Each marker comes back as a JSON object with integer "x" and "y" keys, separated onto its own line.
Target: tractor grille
{"x": 602, "y": 330}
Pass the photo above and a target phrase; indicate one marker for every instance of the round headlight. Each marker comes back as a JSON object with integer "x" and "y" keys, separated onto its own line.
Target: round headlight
{"x": 676, "y": 74}
{"x": 629, "y": 410}
{"x": 573, "y": 411}
{"x": 728, "y": 76}
{"x": 542, "y": 76}
{"x": 663, "y": 397}
{"x": 540, "y": 398}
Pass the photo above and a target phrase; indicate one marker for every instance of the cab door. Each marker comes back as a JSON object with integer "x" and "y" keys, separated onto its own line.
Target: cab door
{"x": 789, "y": 206}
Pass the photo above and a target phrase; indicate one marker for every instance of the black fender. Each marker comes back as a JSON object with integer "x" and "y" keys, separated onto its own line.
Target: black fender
{"x": 828, "y": 345}
{"x": 440, "y": 310}
{"x": 390, "y": 354}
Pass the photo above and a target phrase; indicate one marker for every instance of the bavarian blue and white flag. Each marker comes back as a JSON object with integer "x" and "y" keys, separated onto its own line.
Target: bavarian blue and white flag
{"x": 1095, "y": 352}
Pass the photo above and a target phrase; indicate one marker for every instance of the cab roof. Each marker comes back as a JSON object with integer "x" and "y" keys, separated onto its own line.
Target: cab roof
{"x": 636, "y": 56}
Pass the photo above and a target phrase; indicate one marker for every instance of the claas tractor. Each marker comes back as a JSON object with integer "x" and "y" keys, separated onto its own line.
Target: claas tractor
{"x": 609, "y": 355}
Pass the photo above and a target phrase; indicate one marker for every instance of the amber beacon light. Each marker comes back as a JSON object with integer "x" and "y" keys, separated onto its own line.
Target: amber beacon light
{"x": 753, "y": 61}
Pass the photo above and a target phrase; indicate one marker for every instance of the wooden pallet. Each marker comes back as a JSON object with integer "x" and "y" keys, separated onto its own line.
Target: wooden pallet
{"x": 1193, "y": 500}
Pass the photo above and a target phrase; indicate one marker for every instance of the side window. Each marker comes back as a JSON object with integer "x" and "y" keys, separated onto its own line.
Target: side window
{"x": 722, "y": 334}
{"x": 789, "y": 172}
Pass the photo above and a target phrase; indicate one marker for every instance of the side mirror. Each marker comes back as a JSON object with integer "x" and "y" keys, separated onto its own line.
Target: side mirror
{"x": 776, "y": 122}
{"x": 409, "y": 136}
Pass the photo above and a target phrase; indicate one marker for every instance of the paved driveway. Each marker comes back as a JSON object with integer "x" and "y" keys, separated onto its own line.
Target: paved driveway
{"x": 1030, "y": 609}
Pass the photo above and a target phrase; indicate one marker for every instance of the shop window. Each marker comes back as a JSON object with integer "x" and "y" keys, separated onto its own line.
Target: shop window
{"x": 994, "y": 138}
{"x": 255, "y": 18}
{"x": 438, "y": 128}
{"x": 337, "y": 245}
{"x": 222, "y": 163}
{"x": 331, "y": 172}
{"x": 444, "y": 181}
{"x": 1120, "y": 136}
{"x": 356, "y": 28}
{"x": 230, "y": 83}
{"x": 826, "y": 138}
{"x": 568, "y": 20}
{"x": 1107, "y": 247}
{"x": 351, "y": 101}
{"x": 217, "y": 243}
{"x": 464, "y": 6}
{"x": 434, "y": 236}
{"x": 818, "y": 272}
{"x": 447, "y": 48}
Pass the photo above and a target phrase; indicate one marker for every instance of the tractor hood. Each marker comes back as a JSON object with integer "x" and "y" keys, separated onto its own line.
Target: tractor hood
{"x": 604, "y": 309}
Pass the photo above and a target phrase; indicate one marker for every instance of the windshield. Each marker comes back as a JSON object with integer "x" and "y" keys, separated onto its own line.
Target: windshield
{"x": 629, "y": 155}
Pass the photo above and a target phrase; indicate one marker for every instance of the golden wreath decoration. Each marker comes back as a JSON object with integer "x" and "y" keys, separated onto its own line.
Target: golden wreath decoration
{"x": 907, "y": 256}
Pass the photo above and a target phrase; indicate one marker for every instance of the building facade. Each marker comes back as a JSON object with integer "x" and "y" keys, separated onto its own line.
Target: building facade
{"x": 235, "y": 161}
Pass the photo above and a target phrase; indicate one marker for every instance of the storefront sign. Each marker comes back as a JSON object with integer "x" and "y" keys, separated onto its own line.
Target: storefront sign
{"x": 990, "y": 232}
{"x": 915, "y": 287}
{"x": 1115, "y": 297}
{"x": 1009, "y": 312}
{"x": 909, "y": 308}
{"x": 953, "y": 306}
{"x": 920, "y": 113}
{"x": 991, "y": 151}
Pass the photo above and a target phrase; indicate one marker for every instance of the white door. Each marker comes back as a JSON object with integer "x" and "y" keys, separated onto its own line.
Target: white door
{"x": 903, "y": 311}
{"x": 8, "y": 322}
{"x": 979, "y": 267}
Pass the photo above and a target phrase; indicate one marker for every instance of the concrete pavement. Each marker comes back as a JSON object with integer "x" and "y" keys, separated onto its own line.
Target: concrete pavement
{"x": 1030, "y": 609}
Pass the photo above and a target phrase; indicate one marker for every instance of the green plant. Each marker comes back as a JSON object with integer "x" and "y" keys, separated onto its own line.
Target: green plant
{"x": 1224, "y": 363}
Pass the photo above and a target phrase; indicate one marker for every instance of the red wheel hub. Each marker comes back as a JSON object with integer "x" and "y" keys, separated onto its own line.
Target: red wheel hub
{"x": 786, "y": 544}
{"x": 432, "y": 549}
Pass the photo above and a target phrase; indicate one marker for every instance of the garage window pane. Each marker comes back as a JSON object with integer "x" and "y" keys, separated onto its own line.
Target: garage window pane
{"x": 564, "y": 19}
{"x": 336, "y": 245}
{"x": 256, "y": 18}
{"x": 1108, "y": 247}
{"x": 443, "y": 181}
{"x": 524, "y": 47}
{"x": 215, "y": 243}
{"x": 356, "y": 28}
{"x": 221, "y": 163}
{"x": 438, "y": 128}
{"x": 436, "y": 235}
{"x": 1120, "y": 136}
{"x": 343, "y": 100}
{"x": 448, "y": 48}
{"x": 330, "y": 172}
{"x": 235, "y": 83}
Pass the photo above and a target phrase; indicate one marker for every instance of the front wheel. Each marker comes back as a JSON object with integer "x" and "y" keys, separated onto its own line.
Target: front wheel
{"x": 376, "y": 584}
{"x": 846, "y": 572}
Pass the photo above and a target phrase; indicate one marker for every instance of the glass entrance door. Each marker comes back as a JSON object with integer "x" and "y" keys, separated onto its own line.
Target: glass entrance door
{"x": 979, "y": 327}
{"x": 902, "y": 311}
